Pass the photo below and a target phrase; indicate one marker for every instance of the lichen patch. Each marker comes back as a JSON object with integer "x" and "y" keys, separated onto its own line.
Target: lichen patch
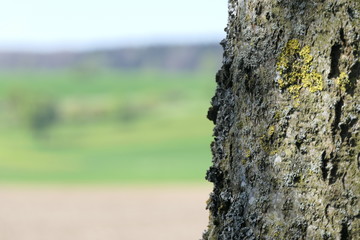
{"x": 295, "y": 68}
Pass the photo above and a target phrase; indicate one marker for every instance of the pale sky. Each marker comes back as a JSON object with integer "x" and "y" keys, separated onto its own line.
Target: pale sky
{"x": 81, "y": 24}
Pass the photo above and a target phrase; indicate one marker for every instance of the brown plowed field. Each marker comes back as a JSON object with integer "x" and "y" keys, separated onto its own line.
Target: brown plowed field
{"x": 107, "y": 213}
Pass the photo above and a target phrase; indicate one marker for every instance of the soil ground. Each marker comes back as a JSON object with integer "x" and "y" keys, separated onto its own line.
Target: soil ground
{"x": 103, "y": 213}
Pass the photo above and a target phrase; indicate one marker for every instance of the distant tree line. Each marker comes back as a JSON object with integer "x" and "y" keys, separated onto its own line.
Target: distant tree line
{"x": 172, "y": 58}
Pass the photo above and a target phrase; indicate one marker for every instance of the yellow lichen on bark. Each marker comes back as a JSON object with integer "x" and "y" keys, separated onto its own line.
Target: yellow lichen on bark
{"x": 295, "y": 68}
{"x": 343, "y": 81}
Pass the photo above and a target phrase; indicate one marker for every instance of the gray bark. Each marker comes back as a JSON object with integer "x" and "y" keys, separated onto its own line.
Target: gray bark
{"x": 286, "y": 149}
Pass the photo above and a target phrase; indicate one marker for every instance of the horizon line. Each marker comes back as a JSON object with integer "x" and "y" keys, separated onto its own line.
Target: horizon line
{"x": 104, "y": 44}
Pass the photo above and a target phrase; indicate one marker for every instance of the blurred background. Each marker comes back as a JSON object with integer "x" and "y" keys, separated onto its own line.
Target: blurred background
{"x": 105, "y": 102}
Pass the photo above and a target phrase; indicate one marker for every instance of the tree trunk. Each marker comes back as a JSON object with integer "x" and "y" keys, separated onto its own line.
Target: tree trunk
{"x": 286, "y": 154}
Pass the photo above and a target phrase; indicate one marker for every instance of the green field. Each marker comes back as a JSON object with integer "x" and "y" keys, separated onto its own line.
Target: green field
{"x": 104, "y": 127}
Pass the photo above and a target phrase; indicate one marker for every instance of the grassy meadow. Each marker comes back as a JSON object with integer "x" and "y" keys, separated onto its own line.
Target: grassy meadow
{"x": 104, "y": 126}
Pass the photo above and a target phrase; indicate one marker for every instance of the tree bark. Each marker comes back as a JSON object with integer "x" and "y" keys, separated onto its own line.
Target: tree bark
{"x": 286, "y": 149}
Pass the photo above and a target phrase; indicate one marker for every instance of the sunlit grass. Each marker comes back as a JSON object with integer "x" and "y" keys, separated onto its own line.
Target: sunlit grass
{"x": 164, "y": 136}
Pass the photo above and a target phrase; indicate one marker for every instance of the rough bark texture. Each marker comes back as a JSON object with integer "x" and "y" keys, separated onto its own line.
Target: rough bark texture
{"x": 286, "y": 153}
